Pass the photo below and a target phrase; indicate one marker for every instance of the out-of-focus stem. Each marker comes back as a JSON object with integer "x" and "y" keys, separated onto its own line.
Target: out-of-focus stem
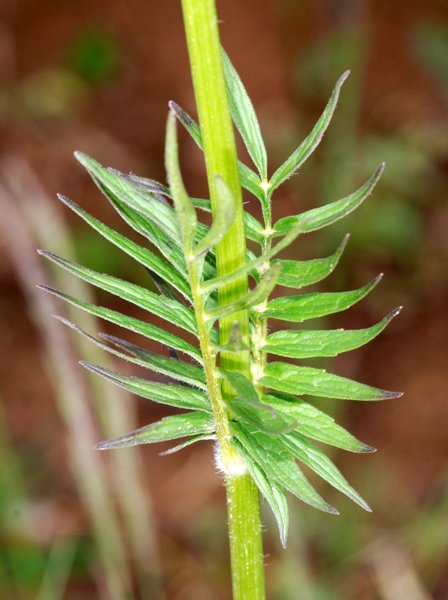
{"x": 72, "y": 398}
{"x": 116, "y": 415}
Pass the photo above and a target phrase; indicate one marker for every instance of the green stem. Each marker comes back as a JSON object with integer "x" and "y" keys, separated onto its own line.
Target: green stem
{"x": 204, "y": 48}
{"x": 260, "y": 322}
{"x": 220, "y": 155}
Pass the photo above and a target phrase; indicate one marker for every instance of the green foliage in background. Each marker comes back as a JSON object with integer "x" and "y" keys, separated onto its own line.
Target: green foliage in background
{"x": 94, "y": 54}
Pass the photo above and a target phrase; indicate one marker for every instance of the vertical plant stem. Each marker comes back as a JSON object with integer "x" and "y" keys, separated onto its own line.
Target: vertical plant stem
{"x": 220, "y": 154}
{"x": 259, "y": 320}
{"x": 202, "y": 33}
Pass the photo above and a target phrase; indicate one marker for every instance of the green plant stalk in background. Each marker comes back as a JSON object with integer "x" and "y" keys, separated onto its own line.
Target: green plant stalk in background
{"x": 201, "y": 27}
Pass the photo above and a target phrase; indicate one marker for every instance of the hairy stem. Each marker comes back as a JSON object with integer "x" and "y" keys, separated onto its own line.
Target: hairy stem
{"x": 220, "y": 156}
{"x": 259, "y": 320}
{"x": 202, "y": 33}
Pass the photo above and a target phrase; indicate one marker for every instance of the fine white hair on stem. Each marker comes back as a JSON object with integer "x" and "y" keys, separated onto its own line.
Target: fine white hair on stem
{"x": 232, "y": 466}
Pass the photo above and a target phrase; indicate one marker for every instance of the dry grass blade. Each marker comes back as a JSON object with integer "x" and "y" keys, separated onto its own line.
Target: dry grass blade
{"x": 118, "y": 413}
{"x": 72, "y": 396}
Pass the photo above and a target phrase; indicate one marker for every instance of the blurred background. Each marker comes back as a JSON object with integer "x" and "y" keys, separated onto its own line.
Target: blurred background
{"x": 96, "y": 76}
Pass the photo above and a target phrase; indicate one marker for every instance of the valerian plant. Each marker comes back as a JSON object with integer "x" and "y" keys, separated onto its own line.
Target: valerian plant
{"x": 251, "y": 407}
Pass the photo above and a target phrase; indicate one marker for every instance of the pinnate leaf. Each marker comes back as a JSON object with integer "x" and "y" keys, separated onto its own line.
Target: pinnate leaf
{"x": 329, "y": 213}
{"x": 271, "y": 491}
{"x": 297, "y": 274}
{"x": 309, "y": 381}
{"x": 309, "y": 344}
{"x": 279, "y": 465}
{"x": 142, "y": 255}
{"x": 315, "y": 424}
{"x": 313, "y": 457}
{"x": 184, "y": 207}
{"x": 299, "y": 156}
{"x": 170, "y": 310}
{"x": 169, "y": 428}
{"x": 310, "y": 306}
{"x": 271, "y": 432}
{"x": 244, "y": 117}
{"x": 149, "y": 331}
{"x": 170, "y": 394}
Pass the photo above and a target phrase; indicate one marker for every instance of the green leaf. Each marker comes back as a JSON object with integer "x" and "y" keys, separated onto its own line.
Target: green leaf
{"x": 189, "y": 442}
{"x": 308, "y": 344}
{"x": 142, "y": 255}
{"x": 160, "y": 213}
{"x": 170, "y": 248}
{"x": 171, "y": 367}
{"x": 329, "y": 213}
{"x": 260, "y": 416}
{"x": 190, "y": 124}
{"x": 247, "y": 406}
{"x": 167, "y": 309}
{"x": 149, "y": 331}
{"x": 170, "y": 394}
{"x": 249, "y": 180}
{"x": 143, "y": 225}
{"x": 297, "y": 158}
{"x": 157, "y": 189}
{"x": 241, "y": 385}
{"x": 147, "y": 185}
{"x": 253, "y": 228}
{"x": 310, "y": 306}
{"x": 235, "y": 342}
{"x": 315, "y": 424}
{"x": 222, "y": 219}
{"x": 270, "y": 490}
{"x": 258, "y": 263}
{"x": 291, "y": 379}
{"x": 169, "y": 428}
{"x": 270, "y": 454}
{"x": 159, "y": 222}
{"x": 259, "y": 294}
{"x": 184, "y": 208}
{"x": 297, "y": 274}
{"x": 313, "y": 457}
{"x": 163, "y": 288}
{"x": 244, "y": 117}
